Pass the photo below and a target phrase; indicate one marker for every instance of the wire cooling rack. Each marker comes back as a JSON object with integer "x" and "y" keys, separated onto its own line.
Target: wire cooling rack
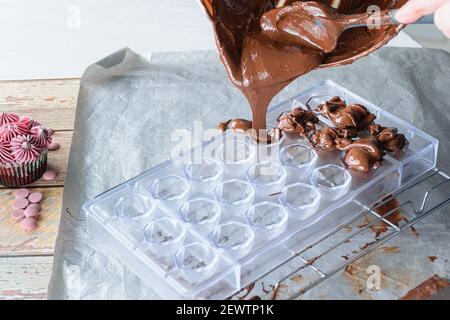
{"x": 348, "y": 242}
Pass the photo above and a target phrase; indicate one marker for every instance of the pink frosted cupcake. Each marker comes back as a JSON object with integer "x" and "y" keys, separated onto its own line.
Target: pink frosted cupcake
{"x": 23, "y": 149}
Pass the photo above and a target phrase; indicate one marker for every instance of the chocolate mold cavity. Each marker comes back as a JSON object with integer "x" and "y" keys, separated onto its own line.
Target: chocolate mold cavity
{"x": 196, "y": 261}
{"x": 301, "y": 199}
{"x": 234, "y": 237}
{"x": 299, "y": 160}
{"x": 135, "y": 207}
{"x": 268, "y": 219}
{"x": 202, "y": 213}
{"x": 267, "y": 177}
{"x": 165, "y": 235}
{"x": 203, "y": 175}
{"x": 332, "y": 181}
{"x": 234, "y": 196}
{"x": 170, "y": 190}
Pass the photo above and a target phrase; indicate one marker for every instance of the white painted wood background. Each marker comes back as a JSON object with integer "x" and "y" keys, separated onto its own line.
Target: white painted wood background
{"x": 60, "y": 38}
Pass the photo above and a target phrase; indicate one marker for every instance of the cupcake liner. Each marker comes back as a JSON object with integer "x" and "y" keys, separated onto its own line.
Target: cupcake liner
{"x": 16, "y": 175}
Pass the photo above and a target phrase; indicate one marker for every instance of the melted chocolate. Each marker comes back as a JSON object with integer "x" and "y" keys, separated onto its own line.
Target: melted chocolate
{"x": 240, "y": 125}
{"x": 354, "y": 116}
{"x": 266, "y": 44}
{"x": 329, "y": 139}
{"x": 305, "y": 24}
{"x": 257, "y": 65}
{"x": 299, "y": 121}
{"x": 363, "y": 155}
{"x": 312, "y": 24}
{"x": 262, "y": 62}
{"x": 390, "y": 139}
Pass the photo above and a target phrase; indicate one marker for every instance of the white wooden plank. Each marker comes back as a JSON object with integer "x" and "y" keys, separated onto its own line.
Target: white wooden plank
{"x": 24, "y": 278}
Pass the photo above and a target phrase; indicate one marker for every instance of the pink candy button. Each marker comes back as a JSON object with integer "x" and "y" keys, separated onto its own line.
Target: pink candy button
{"x": 21, "y": 193}
{"x": 53, "y": 146}
{"x": 20, "y": 203}
{"x": 35, "y": 197}
{"x": 28, "y": 224}
{"x": 35, "y": 205}
{"x": 50, "y": 175}
{"x": 32, "y": 211}
{"x": 17, "y": 214}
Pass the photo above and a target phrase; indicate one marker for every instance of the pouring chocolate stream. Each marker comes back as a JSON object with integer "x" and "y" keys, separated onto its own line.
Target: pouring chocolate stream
{"x": 262, "y": 56}
{"x": 257, "y": 65}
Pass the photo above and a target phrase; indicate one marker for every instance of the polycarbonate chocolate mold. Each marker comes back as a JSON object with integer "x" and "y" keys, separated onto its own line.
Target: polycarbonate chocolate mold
{"x": 202, "y": 213}
{"x": 164, "y": 235}
{"x": 268, "y": 219}
{"x": 171, "y": 191}
{"x": 235, "y": 196}
{"x": 267, "y": 177}
{"x": 196, "y": 261}
{"x": 299, "y": 161}
{"x": 222, "y": 271}
{"x": 332, "y": 181}
{"x": 302, "y": 200}
{"x": 135, "y": 207}
{"x": 236, "y": 155}
{"x": 234, "y": 237}
{"x": 204, "y": 175}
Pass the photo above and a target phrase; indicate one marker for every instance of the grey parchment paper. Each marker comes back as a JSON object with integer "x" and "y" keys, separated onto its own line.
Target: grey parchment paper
{"x": 128, "y": 107}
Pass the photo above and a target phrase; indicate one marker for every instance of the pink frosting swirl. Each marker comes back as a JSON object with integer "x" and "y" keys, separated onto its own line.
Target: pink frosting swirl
{"x": 23, "y": 149}
{"x": 5, "y": 152}
{"x": 6, "y": 117}
{"x": 42, "y": 136}
{"x": 28, "y": 122}
{"x": 9, "y": 131}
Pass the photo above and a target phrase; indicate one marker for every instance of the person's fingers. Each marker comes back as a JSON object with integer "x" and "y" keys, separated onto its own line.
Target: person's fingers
{"x": 415, "y": 9}
{"x": 442, "y": 19}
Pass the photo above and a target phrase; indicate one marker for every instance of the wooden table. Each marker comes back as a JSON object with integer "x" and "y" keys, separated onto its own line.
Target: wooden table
{"x": 26, "y": 257}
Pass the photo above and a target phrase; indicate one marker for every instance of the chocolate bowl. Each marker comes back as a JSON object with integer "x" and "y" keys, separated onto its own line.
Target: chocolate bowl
{"x": 353, "y": 43}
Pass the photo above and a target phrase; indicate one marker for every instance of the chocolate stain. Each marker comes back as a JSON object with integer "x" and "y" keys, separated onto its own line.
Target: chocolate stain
{"x": 311, "y": 261}
{"x": 267, "y": 290}
{"x": 276, "y": 290}
{"x": 392, "y": 213}
{"x": 427, "y": 288}
{"x": 432, "y": 258}
{"x": 247, "y": 290}
{"x": 351, "y": 271}
{"x": 297, "y": 278}
{"x": 390, "y": 249}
